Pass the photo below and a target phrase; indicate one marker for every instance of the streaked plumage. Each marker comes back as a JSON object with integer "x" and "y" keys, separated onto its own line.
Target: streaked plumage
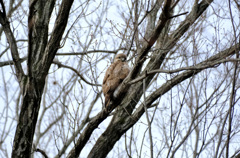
{"x": 114, "y": 76}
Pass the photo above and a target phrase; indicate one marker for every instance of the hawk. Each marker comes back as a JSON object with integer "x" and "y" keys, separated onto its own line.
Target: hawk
{"x": 114, "y": 76}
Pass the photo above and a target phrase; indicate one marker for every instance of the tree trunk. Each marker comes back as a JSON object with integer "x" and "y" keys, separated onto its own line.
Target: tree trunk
{"x": 41, "y": 53}
{"x": 28, "y": 118}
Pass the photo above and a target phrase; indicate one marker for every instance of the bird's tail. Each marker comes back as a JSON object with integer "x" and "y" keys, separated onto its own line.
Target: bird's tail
{"x": 107, "y": 102}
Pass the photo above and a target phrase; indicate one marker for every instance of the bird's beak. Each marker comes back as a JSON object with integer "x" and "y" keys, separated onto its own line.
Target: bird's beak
{"x": 123, "y": 59}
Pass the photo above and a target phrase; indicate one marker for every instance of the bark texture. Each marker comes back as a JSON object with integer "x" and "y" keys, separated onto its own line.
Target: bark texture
{"x": 41, "y": 52}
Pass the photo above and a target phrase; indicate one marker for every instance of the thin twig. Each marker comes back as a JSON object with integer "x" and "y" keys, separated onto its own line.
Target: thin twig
{"x": 174, "y": 16}
{"x": 147, "y": 117}
{"x": 71, "y": 68}
{"x": 42, "y": 152}
{"x": 91, "y": 51}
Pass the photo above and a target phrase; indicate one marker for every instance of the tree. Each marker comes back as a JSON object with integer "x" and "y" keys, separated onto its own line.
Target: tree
{"x": 179, "y": 98}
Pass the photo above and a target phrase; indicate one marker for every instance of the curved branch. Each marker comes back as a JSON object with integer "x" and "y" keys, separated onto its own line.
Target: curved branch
{"x": 74, "y": 70}
{"x": 11, "y": 62}
{"x": 42, "y": 152}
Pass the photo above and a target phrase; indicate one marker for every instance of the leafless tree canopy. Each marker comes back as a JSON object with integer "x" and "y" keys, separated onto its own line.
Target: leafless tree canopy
{"x": 181, "y": 98}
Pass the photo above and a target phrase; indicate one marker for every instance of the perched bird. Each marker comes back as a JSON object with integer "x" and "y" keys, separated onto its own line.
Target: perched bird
{"x": 114, "y": 76}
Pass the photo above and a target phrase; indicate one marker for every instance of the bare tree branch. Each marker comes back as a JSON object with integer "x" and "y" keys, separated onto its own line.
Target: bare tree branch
{"x": 92, "y": 51}
{"x": 164, "y": 17}
{"x": 12, "y": 42}
{"x": 74, "y": 70}
{"x": 208, "y": 64}
{"x": 42, "y": 152}
{"x": 11, "y": 62}
{"x": 148, "y": 120}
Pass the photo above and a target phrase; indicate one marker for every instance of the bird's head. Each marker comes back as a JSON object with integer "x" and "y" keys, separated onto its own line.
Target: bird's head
{"x": 120, "y": 57}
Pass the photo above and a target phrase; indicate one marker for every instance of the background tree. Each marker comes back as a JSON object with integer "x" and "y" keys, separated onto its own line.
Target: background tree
{"x": 182, "y": 92}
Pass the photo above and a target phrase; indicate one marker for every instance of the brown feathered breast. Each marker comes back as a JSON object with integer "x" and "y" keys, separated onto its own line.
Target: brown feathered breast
{"x": 114, "y": 76}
